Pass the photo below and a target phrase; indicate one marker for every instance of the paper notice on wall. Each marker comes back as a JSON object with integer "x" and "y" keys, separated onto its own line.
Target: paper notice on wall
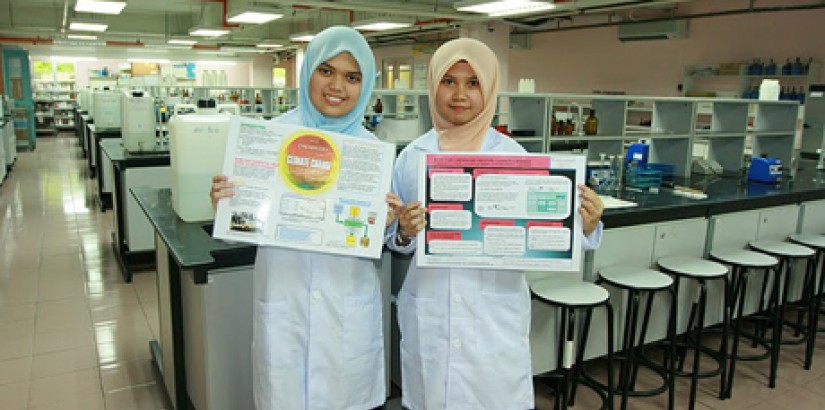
{"x": 303, "y": 188}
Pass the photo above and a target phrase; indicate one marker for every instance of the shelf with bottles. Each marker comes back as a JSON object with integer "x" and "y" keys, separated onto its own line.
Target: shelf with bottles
{"x": 742, "y": 80}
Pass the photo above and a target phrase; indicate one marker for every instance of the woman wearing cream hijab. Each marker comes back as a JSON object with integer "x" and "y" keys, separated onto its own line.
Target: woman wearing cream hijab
{"x": 464, "y": 332}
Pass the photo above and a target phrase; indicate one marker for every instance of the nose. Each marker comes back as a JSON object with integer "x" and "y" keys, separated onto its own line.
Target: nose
{"x": 336, "y": 83}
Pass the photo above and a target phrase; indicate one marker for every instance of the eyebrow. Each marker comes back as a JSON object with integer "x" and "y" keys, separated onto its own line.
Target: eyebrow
{"x": 329, "y": 66}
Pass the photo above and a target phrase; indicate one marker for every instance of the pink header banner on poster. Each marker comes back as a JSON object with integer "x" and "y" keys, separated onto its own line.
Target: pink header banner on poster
{"x": 486, "y": 161}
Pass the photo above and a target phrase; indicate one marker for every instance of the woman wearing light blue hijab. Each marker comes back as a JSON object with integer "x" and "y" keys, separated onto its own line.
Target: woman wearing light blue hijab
{"x": 317, "y": 333}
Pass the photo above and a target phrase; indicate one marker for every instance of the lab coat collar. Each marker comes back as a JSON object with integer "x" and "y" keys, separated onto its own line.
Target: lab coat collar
{"x": 429, "y": 141}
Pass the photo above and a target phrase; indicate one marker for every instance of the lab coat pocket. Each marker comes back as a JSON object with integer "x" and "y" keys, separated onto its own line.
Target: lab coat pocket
{"x": 362, "y": 325}
{"x": 276, "y": 340}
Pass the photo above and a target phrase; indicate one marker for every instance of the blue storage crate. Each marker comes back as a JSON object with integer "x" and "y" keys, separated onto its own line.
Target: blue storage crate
{"x": 642, "y": 178}
{"x": 667, "y": 170}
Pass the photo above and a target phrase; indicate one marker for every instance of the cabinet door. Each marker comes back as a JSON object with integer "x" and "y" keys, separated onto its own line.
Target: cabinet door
{"x": 733, "y": 230}
{"x": 812, "y": 217}
{"x": 686, "y": 238}
{"x": 631, "y": 246}
{"x": 777, "y": 223}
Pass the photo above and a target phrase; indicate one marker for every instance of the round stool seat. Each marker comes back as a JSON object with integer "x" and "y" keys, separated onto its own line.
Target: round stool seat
{"x": 569, "y": 292}
{"x": 744, "y": 257}
{"x": 814, "y": 241}
{"x": 782, "y": 249}
{"x": 635, "y": 278}
{"x": 692, "y": 267}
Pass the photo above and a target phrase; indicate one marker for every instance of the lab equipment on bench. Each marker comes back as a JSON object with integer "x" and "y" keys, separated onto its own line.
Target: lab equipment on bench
{"x": 197, "y": 144}
{"x": 137, "y": 112}
{"x": 765, "y": 170}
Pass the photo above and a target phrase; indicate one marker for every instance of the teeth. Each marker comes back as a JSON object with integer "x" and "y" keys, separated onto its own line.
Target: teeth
{"x": 334, "y": 100}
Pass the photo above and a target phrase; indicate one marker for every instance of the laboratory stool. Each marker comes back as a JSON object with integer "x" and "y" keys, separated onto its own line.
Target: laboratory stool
{"x": 702, "y": 271}
{"x": 816, "y": 242}
{"x": 742, "y": 262}
{"x": 640, "y": 283}
{"x": 788, "y": 253}
{"x": 570, "y": 295}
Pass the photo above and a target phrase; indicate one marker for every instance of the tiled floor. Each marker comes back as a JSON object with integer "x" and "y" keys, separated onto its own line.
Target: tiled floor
{"x": 74, "y": 336}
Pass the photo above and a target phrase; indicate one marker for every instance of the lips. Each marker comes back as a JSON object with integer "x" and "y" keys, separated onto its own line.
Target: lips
{"x": 334, "y": 100}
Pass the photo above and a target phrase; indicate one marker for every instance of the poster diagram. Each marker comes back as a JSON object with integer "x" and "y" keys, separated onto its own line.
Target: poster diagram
{"x": 303, "y": 188}
{"x": 501, "y": 211}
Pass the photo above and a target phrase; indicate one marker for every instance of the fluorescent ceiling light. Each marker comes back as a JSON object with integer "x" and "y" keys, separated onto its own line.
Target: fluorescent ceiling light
{"x": 380, "y": 24}
{"x": 501, "y": 8}
{"x": 269, "y": 45}
{"x": 241, "y": 49}
{"x": 148, "y": 60}
{"x": 254, "y": 15}
{"x": 66, "y": 58}
{"x": 302, "y": 37}
{"x": 215, "y": 62}
{"x": 81, "y": 37}
{"x": 99, "y": 7}
{"x": 88, "y": 26}
{"x": 182, "y": 41}
{"x": 208, "y": 31}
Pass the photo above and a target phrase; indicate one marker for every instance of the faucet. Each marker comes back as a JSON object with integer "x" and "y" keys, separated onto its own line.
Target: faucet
{"x": 579, "y": 129}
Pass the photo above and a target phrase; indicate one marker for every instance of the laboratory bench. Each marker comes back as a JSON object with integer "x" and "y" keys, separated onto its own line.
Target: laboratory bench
{"x": 133, "y": 234}
{"x": 203, "y": 352}
{"x": 200, "y": 277}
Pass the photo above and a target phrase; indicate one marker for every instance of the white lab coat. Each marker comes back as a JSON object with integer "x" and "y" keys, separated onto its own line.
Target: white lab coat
{"x": 464, "y": 332}
{"x": 317, "y": 323}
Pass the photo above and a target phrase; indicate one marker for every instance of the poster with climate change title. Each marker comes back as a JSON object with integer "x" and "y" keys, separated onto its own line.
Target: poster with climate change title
{"x": 501, "y": 211}
{"x": 303, "y": 188}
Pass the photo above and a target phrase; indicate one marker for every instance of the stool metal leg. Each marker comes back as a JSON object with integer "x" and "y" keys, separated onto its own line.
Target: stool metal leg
{"x": 813, "y": 306}
{"x": 629, "y": 346}
{"x": 671, "y": 335}
{"x": 723, "y": 377}
{"x": 561, "y": 392}
{"x": 610, "y": 333}
{"x": 642, "y": 338}
{"x": 697, "y": 353}
{"x": 742, "y": 276}
{"x": 588, "y": 314}
{"x": 778, "y": 317}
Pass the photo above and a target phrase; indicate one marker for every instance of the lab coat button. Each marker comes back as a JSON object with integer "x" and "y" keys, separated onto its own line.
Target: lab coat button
{"x": 457, "y": 298}
{"x": 316, "y": 295}
{"x": 457, "y": 343}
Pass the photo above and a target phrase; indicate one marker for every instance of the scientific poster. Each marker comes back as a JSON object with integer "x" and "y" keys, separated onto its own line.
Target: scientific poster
{"x": 501, "y": 211}
{"x": 304, "y": 188}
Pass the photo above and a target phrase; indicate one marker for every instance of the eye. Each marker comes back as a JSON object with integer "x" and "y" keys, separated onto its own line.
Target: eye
{"x": 447, "y": 81}
{"x": 324, "y": 71}
{"x": 354, "y": 78}
{"x": 474, "y": 83}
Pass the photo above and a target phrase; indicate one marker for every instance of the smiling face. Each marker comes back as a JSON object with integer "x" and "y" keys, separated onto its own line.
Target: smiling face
{"x": 335, "y": 85}
{"x": 459, "y": 98}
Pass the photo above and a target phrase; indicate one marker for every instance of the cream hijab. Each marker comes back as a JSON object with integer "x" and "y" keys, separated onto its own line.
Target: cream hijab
{"x": 470, "y": 136}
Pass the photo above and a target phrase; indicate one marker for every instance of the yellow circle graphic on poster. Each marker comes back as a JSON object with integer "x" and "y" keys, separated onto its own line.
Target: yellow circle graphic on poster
{"x": 309, "y": 162}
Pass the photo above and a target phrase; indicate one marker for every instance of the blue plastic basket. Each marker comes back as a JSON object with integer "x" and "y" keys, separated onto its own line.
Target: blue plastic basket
{"x": 667, "y": 170}
{"x": 643, "y": 178}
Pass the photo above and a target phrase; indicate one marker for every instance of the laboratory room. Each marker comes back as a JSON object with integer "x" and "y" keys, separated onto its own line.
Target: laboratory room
{"x": 238, "y": 204}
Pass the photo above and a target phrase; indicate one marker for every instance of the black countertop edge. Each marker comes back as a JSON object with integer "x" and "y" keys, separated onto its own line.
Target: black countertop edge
{"x": 189, "y": 243}
{"x": 122, "y": 159}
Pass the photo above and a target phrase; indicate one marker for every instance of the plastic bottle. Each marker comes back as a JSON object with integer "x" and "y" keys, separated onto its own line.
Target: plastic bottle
{"x": 787, "y": 68}
{"x": 769, "y": 90}
{"x": 770, "y": 68}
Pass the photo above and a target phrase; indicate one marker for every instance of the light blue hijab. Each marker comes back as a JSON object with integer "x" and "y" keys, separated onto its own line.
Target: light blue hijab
{"x": 326, "y": 45}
